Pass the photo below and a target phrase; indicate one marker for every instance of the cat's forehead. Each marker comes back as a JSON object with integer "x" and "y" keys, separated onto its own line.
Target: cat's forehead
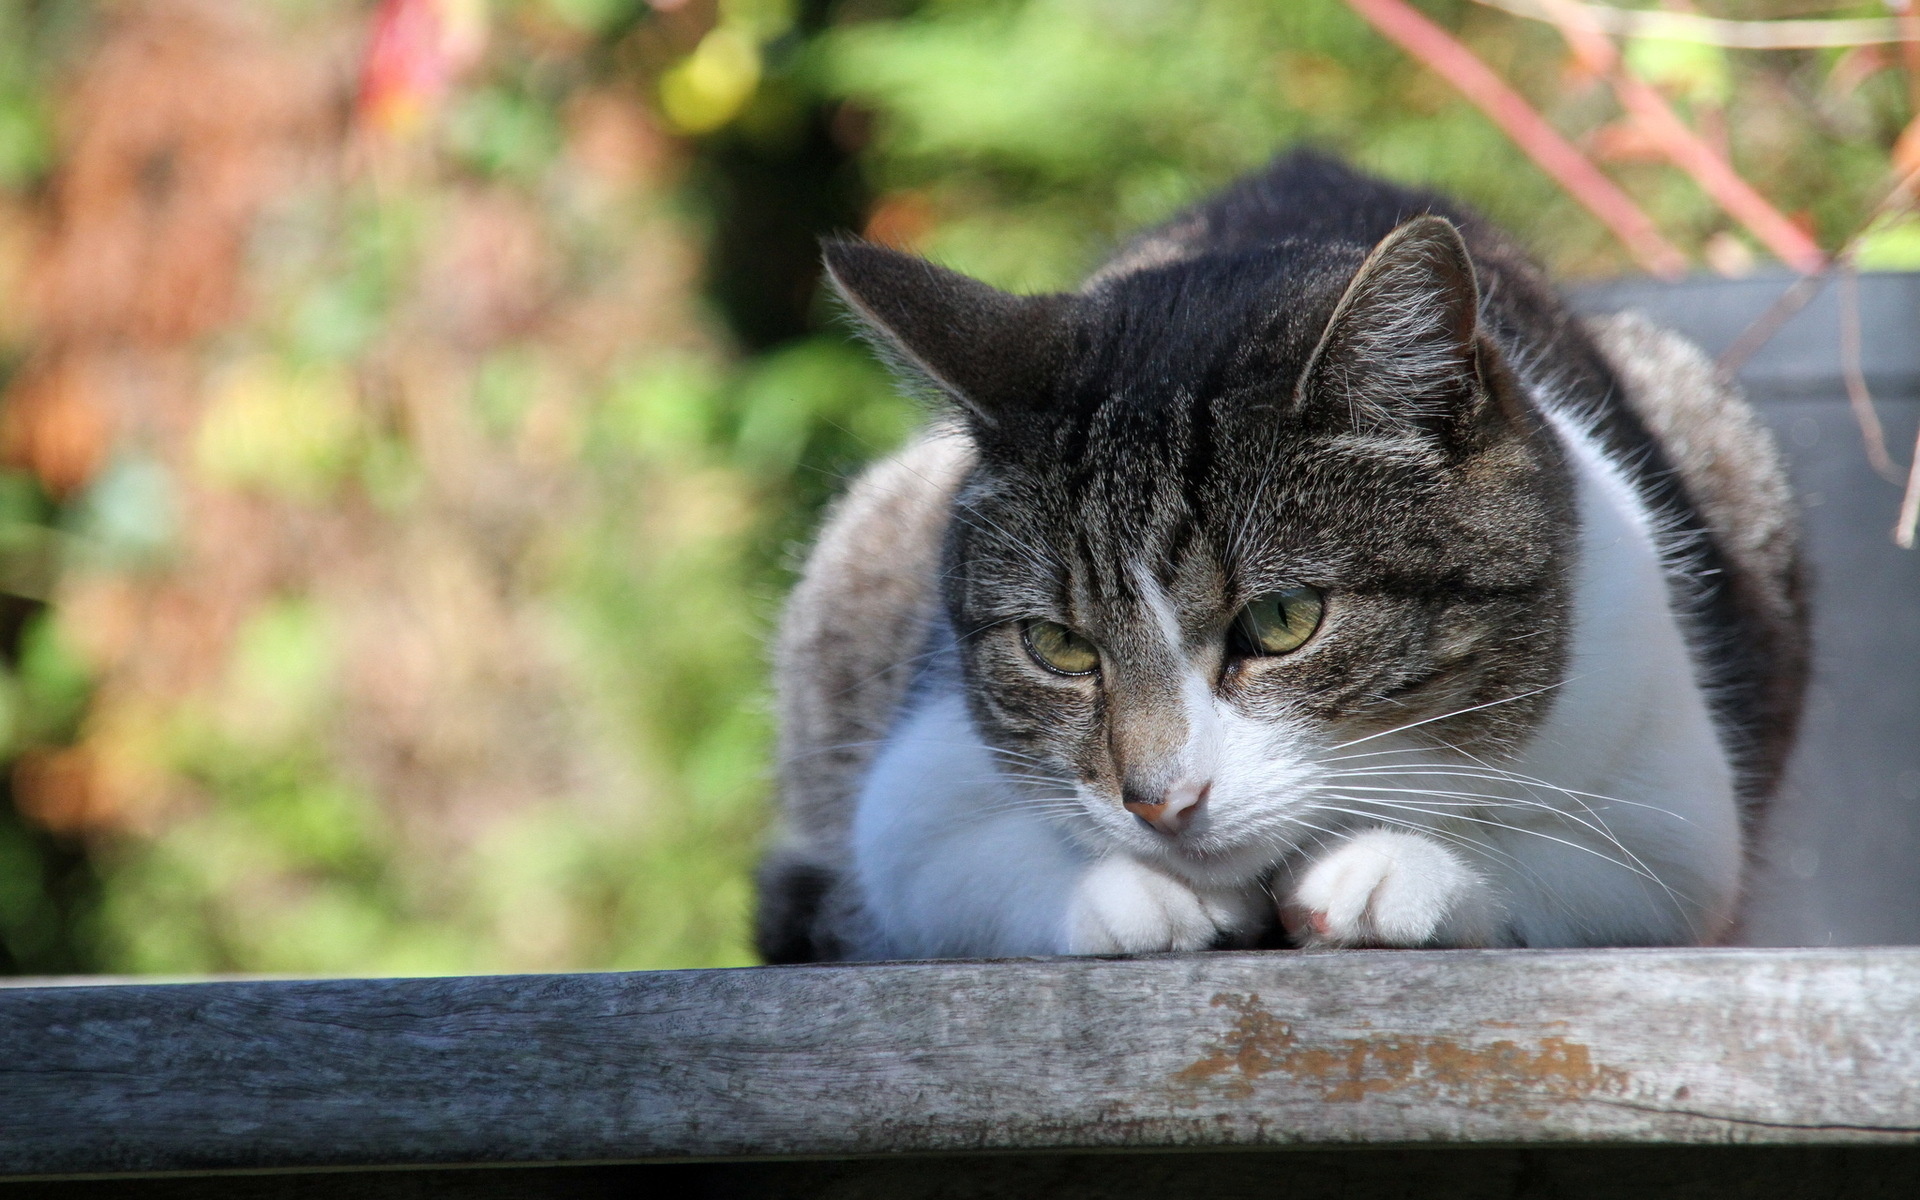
{"x": 1196, "y": 326}
{"x": 1205, "y": 425}
{"x": 1157, "y": 469}
{"x": 1130, "y": 513}
{"x": 1177, "y": 382}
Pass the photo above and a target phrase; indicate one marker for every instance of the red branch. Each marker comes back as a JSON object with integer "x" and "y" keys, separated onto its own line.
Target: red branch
{"x": 1681, "y": 145}
{"x": 1554, "y": 154}
{"x": 1909, "y": 18}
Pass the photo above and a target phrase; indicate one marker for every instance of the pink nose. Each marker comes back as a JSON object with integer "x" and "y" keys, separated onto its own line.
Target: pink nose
{"x": 1174, "y": 811}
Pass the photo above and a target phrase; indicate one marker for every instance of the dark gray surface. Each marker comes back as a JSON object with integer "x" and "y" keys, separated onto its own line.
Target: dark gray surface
{"x": 1662, "y": 1173}
{"x": 1193, "y": 1052}
{"x": 1803, "y": 358}
{"x": 1840, "y": 861}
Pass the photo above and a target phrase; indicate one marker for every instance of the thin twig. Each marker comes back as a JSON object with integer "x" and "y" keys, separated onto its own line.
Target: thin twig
{"x": 1681, "y": 145}
{"x": 1909, "y": 504}
{"x": 1899, "y": 196}
{"x": 1768, "y": 323}
{"x": 1903, "y": 525}
{"x": 1872, "y": 435}
{"x": 1553, "y": 153}
{"x": 1795, "y": 298}
{"x": 1715, "y": 31}
{"x": 1585, "y": 28}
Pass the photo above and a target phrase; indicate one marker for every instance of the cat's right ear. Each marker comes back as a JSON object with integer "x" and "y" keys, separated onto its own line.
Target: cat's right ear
{"x": 990, "y": 352}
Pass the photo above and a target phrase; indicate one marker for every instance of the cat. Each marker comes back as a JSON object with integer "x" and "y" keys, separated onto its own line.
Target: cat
{"x": 1309, "y": 576}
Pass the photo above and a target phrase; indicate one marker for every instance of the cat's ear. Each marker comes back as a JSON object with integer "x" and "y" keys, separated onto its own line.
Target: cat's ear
{"x": 989, "y": 351}
{"x": 1403, "y": 347}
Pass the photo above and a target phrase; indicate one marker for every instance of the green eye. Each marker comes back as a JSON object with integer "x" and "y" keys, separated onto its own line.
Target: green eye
{"x": 1278, "y": 622}
{"x": 1060, "y": 649}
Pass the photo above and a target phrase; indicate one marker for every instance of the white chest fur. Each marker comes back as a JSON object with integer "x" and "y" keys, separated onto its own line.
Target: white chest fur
{"x": 1632, "y": 730}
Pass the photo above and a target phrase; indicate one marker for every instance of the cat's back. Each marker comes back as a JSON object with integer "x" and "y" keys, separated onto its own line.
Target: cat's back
{"x": 850, "y": 642}
{"x": 1308, "y": 198}
{"x": 1732, "y": 479}
{"x": 1301, "y": 196}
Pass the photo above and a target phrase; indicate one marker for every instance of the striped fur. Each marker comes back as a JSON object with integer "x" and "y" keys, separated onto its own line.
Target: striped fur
{"x": 1548, "y": 675}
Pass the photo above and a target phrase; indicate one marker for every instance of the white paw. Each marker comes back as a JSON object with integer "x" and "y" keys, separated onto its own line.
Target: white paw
{"x": 1122, "y": 906}
{"x": 1384, "y": 888}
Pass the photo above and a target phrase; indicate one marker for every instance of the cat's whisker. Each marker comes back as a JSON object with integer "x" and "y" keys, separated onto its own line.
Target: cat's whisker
{"x": 1452, "y": 835}
{"x": 1034, "y": 556}
{"x": 1247, "y": 514}
{"x": 881, "y": 741}
{"x": 1027, "y": 804}
{"x": 835, "y": 748}
{"x": 1501, "y": 775}
{"x": 895, "y": 665}
{"x": 1595, "y": 826}
{"x": 1458, "y": 712}
{"x": 1503, "y": 800}
{"x": 1494, "y": 771}
{"x": 1377, "y": 754}
{"x": 910, "y": 660}
{"x": 1530, "y": 802}
{"x": 1634, "y": 867}
{"x": 1004, "y": 752}
{"x": 1035, "y": 780}
{"x": 1053, "y": 806}
{"x": 1294, "y": 824}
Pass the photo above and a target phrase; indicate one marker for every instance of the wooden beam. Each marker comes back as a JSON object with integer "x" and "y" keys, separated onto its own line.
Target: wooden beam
{"x": 1192, "y": 1051}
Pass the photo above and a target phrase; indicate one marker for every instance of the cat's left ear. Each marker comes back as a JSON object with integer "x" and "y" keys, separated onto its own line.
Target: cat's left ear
{"x": 1403, "y": 347}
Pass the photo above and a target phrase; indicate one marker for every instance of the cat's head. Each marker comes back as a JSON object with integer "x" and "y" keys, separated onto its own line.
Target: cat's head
{"x": 1229, "y": 516}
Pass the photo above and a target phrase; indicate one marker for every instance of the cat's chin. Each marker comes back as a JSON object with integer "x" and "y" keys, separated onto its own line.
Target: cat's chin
{"x": 1207, "y": 863}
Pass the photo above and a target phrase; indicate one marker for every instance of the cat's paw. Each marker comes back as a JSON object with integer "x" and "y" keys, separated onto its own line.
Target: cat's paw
{"x": 1387, "y": 888}
{"x": 1122, "y": 906}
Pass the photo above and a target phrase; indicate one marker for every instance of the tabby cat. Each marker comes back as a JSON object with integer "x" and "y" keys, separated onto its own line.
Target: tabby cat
{"x": 1309, "y": 576}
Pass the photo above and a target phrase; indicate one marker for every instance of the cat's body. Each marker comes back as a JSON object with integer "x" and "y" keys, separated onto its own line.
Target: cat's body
{"x": 1309, "y": 563}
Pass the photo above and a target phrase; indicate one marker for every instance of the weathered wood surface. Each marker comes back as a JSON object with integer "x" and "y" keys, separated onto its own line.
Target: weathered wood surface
{"x": 1247, "y": 1050}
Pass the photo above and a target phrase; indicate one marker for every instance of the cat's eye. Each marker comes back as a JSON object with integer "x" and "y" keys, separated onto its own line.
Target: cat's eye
{"x": 1060, "y": 649}
{"x": 1278, "y": 622}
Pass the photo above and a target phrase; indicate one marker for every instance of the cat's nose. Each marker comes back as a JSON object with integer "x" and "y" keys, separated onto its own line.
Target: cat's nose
{"x": 1170, "y": 811}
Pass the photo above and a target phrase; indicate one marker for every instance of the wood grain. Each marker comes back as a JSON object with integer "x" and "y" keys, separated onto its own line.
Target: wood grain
{"x": 1192, "y": 1051}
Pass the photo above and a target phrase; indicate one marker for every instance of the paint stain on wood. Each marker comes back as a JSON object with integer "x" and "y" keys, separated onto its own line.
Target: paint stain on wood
{"x": 1347, "y": 1070}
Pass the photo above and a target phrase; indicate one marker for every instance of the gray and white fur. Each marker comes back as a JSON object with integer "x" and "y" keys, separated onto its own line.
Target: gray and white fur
{"x": 1560, "y": 641}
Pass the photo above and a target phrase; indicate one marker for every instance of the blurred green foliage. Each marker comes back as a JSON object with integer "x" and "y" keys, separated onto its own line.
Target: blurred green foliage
{"x": 562, "y": 548}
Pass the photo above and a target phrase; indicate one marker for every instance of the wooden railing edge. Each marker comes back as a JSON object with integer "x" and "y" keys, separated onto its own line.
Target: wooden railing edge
{"x": 1610, "y": 1047}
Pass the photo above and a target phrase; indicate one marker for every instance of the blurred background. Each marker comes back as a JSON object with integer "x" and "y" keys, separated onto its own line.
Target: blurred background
{"x": 411, "y": 413}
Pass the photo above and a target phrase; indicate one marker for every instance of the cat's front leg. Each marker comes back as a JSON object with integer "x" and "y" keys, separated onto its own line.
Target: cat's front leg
{"x": 1390, "y": 888}
{"x": 1123, "y": 906}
